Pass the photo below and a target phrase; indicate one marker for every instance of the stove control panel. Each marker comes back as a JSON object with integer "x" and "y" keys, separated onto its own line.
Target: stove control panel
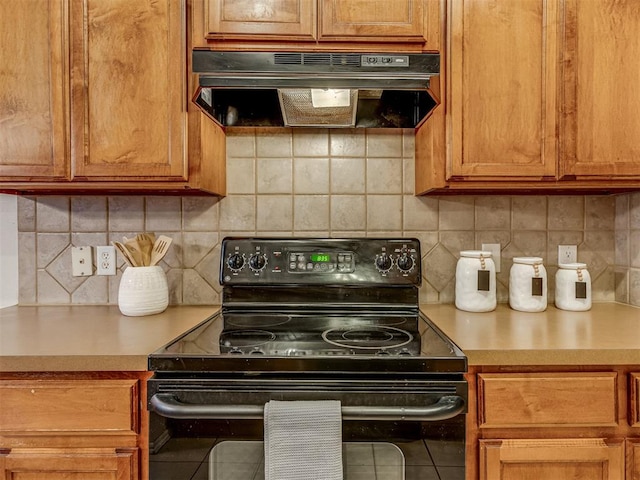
{"x": 321, "y": 262}
{"x": 353, "y": 261}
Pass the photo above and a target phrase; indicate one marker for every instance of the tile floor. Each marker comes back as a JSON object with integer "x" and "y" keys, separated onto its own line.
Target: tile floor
{"x": 205, "y": 459}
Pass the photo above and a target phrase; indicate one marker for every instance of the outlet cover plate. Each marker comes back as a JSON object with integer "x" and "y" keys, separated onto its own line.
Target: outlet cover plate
{"x": 494, "y": 248}
{"x": 106, "y": 260}
{"x": 81, "y": 262}
{"x": 567, "y": 254}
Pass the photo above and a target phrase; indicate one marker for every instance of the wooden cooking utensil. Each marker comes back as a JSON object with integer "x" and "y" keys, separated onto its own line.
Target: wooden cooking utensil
{"x": 160, "y": 248}
{"x": 125, "y": 253}
{"x": 145, "y": 243}
{"x": 131, "y": 244}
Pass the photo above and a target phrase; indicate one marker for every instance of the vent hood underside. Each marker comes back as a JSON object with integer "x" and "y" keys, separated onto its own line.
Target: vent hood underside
{"x": 249, "y": 89}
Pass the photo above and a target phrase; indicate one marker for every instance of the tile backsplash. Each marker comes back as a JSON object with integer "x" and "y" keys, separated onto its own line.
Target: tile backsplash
{"x": 325, "y": 183}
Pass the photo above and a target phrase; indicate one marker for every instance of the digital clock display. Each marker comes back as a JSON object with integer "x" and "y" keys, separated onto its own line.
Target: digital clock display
{"x": 320, "y": 257}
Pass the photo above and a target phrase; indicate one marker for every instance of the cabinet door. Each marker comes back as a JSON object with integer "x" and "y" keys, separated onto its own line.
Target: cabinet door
{"x": 128, "y": 95}
{"x": 587, "y": 459}
{"x": 33, "y": 90}
{"x": 502, "y": 80}
{"x": 601, "y": 96}
{"x": 372, "y": 20}
{"x": 633, "y": 459}
{"x": 70, "y": 464}
{"x": 260, "y": 20}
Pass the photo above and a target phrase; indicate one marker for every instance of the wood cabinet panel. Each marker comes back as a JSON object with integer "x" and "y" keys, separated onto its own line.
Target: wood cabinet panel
{"x": 634, "y": 399}
{"x": 633, "y": 459}
{"x": 128, "y": 90}
{"x": 73, "y": 425}
{"x": 587, "y": 459}
{"x": 318, "y": 25}
{"x": 547, "y": 399}
{"x": 79, "y": 406}
{"x": 601, "y": 100}
{"x": 503, "y": 113}
{"x": 33, "y": 89}
{"x": 372, "y": 20}
{"x": 70, "y": 464}
{"x": 275, "y": 19}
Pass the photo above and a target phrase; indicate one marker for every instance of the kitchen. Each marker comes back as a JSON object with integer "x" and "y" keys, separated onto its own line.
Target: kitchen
{"x": 320, "y": 182}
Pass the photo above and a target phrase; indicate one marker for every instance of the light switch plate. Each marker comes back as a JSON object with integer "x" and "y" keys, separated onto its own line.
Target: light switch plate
{"x": 494, "y": 248}
{"x": 81, "y": 262}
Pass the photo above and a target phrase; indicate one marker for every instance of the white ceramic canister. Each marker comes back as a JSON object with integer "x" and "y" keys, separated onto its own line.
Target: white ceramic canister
{"x": 573, "y": 287}
{"x": 475, "y": 281}
{"x": 528, "y": 285}
{"x": 143, "y": 291}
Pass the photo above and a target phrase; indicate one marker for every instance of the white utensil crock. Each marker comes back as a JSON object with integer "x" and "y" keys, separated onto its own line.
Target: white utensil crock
{"x": 143, "y": 291}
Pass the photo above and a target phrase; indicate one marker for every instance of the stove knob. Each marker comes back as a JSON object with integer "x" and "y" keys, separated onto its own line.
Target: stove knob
{"x": 235, "y": 262}
{"x": 256, "y": 351}
{"x": 382, "y": 353}
{"x": 404, "y": 352}
{"x": 383, "y": 262}
{"x": 235, "y": 351}
{"x": 257, "y": 262}
{"x": 405, "y": 263}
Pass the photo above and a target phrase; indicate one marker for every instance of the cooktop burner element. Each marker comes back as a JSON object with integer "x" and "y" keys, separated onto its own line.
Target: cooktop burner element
{"x": 316, "y": 305}
{"x": 257, "y": 321}
{"x": 368, "y": 338}
{"x": 236, "y": 339}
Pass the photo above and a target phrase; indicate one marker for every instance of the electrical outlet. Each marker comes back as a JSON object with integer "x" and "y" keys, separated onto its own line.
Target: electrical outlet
{"x": 567, "y": 254}
{"x": 81, "y": 262}
{"x": 494, "y": 248}
{"x": 106, "y": 260}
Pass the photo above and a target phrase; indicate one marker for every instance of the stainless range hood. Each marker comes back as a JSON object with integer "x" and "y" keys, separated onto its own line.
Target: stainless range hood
{"x": 293, "y": 89}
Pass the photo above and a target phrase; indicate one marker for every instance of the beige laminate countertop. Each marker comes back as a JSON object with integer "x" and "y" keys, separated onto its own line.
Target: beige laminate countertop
{"x": 99, "y": 338}
{"x": 608, "y": 334}
{"x": 88, "y": 338}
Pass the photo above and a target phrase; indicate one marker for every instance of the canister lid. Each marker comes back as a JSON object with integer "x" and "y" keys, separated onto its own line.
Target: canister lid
{"x": 528, "y": 260}
{"x": 475, "y": 254}
{"x": 572, "y": 266}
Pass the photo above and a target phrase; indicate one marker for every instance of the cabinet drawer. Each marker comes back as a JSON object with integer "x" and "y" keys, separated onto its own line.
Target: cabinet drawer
{"x": 547, "y": 399}
{"x": 46, "y": 406}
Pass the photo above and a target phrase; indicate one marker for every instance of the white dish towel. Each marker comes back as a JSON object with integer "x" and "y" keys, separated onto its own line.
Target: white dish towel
{"x": 303, "y": 440}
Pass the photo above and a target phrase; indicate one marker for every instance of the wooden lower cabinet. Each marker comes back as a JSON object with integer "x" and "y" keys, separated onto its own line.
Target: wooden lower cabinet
{"x": 553, "y": 422}
{"x": 73, "y": 426}
{"x": 70, "y": 464}
{"x": 534, "y": 459}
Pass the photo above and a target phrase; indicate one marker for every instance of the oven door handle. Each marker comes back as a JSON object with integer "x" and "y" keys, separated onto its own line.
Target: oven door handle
{"x": 448, "y": 406}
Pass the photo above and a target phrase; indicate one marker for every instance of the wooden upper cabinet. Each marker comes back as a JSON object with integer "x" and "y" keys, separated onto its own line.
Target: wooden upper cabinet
{"x": 371, "y": 20}
{"x": 502, "y": 81}
{"x": 128, "y": 90}
{"x": 33, "y": 96}
{"x": 601, "y": 99}
{"x": 317, "y": 24}
{"x": 274, "y": 19}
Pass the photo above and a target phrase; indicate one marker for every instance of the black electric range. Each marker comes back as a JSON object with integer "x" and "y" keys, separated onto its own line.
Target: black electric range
{"x": 316, "y": 305}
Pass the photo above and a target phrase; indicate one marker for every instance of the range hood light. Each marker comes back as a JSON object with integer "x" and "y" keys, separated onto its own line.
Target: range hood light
{"x": 330, "y": 97}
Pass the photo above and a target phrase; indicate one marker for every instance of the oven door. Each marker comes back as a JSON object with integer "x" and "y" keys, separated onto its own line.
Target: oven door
{"x": 212, "y": 428}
